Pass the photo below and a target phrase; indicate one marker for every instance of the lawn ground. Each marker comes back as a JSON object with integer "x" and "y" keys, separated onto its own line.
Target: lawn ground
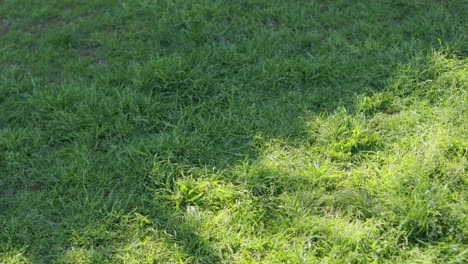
{"x": 247, "y": 131}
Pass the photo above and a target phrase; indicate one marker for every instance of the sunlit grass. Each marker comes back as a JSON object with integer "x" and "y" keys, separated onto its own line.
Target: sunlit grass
{"x": 233, "y": 132}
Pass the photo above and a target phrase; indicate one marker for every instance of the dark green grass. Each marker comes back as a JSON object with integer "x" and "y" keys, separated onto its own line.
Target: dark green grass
{"x": 233, "y": 131}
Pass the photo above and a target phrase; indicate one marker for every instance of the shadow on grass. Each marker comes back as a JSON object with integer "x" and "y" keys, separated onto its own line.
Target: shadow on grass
{"x": 77, "y": 159}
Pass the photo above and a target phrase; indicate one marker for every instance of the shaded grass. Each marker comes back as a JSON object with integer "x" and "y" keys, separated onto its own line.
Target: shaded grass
{"x": 254, "y": 131}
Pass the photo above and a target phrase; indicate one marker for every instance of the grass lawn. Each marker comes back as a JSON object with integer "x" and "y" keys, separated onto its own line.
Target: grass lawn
{"x": 247, "y": 131}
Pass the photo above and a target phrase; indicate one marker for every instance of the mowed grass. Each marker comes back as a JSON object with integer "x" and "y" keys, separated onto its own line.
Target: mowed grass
{"x": 247, "y": 131}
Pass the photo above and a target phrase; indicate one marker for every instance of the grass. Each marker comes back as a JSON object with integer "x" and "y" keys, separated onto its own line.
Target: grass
{"x": 233, "y": 131}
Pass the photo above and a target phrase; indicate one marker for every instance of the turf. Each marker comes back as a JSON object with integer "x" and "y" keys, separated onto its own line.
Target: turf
{"x": 247, "y": 131}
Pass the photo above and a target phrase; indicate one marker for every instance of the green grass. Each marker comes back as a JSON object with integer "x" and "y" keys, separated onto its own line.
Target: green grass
{"x": 245, "y": 131}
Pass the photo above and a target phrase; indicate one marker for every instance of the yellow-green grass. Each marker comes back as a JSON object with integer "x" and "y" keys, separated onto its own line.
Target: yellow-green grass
{"x": 247, "y": 131}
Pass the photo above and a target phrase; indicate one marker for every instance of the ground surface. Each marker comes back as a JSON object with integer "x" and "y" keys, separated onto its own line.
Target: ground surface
{"x": 233, "y": 131}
